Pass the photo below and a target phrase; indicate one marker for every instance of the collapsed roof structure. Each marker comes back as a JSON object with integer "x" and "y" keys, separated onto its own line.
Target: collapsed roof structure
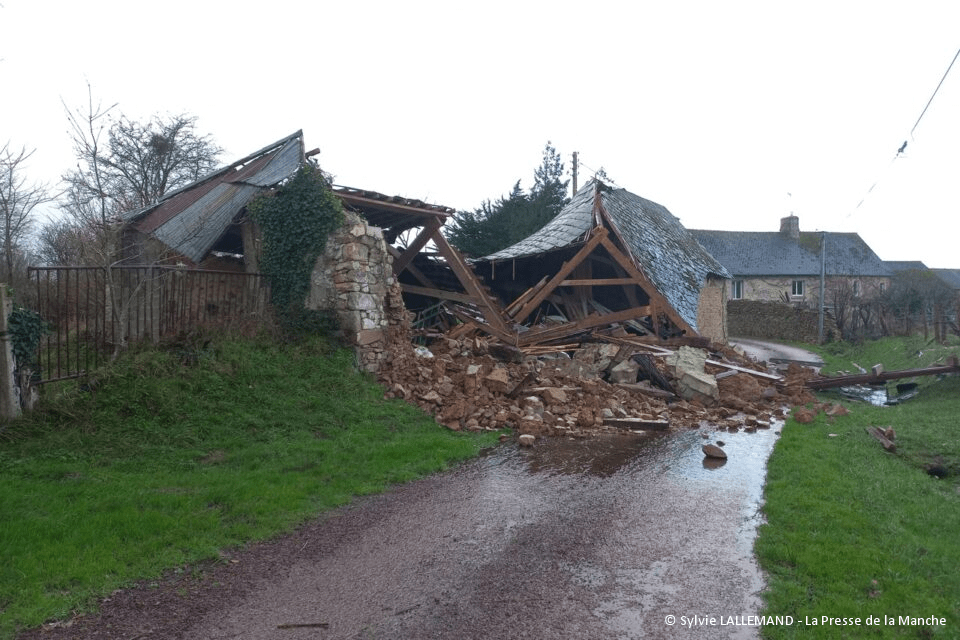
{"x": 609, "y": 258}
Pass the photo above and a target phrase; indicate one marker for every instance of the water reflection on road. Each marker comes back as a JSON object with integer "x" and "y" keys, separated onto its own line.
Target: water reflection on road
{"x": 660, "y": 529}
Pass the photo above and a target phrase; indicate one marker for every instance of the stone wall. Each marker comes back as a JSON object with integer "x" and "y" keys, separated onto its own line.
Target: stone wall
{"x": 354, "y": 279}
{"x": 711, "y": 311}
{"x": 776, "y": 320}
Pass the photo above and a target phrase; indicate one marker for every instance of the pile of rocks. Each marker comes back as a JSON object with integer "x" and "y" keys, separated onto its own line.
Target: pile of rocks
{"x": 471, "y": 384}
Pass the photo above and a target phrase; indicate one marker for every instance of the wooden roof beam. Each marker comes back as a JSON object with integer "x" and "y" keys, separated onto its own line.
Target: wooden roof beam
{"x": 591, "y": 321}
{"x": 425, "y": 235}
{"x": 599, "y": 234}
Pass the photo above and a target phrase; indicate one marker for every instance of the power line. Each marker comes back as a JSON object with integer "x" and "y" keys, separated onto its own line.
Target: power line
{"x": 903, "y": 147}
{"x": 940, "y": 84}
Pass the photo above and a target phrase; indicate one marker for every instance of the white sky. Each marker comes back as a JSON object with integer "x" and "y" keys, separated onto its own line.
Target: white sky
{"x": 716, "y": 110}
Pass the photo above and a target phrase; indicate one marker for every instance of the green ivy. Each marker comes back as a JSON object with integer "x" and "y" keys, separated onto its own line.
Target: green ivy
{"x": 26, "y": 329}
{"x": 296, "y": 221}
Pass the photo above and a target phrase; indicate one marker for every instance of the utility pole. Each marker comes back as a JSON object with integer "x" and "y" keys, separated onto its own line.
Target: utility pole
{"x": 574, "y": 174}
{"x": 823, "y": 279}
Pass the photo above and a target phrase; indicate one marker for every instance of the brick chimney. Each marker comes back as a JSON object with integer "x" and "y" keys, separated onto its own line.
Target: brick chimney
{"x": 790, "y": 226}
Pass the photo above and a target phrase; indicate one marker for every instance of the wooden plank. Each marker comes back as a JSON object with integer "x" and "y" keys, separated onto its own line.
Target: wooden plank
{"x": 882, "y": 377}
{"x": 440, "y": 294}
{"x": 488, "y": 307}
{"x": 508, "y": 338}
{"x": 599, "y": 235}
{"x": 758, "y": 374}
{"x": 401, "y": 262}
{"x": 595, "y": 320}
{"x": 599, "y": 282}
{"x": 523, "y": 297}
{"x": 657, "y": 300}
{"x": 881, "y": 437}
{"x": 637, "y": 424}
{"x": 411, "y": 269}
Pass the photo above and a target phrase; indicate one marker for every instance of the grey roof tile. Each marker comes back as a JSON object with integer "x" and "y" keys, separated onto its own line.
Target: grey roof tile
{"x": 760, "y": 253}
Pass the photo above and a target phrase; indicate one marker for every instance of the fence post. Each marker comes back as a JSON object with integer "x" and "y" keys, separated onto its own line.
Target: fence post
{"x": 9, "y": 402}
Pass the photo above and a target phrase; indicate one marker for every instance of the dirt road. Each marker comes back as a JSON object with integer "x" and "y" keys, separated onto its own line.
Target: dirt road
{"x": 596, "y": 539}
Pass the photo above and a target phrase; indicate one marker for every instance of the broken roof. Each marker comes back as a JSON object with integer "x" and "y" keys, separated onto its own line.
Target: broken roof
{"x": 190, "y": 220}
{"x": 664, "y": 250}
{"x": 761, "y": 253}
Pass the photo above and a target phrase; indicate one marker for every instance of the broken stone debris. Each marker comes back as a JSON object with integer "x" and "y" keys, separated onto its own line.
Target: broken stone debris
{"x": 591, "y": 387}
{"x": 713, "y": 451}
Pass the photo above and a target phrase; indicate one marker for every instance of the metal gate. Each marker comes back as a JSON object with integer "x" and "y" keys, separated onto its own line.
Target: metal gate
{"x": 93, "y": 312}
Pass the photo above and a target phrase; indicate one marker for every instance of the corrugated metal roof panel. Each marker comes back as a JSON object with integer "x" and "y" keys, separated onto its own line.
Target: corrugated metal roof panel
{"x": 196, "y": 229}
{"x": 281, "y": 165}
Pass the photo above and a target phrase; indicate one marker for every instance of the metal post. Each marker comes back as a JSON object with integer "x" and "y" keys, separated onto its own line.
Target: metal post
{"x": 823, "y": 280}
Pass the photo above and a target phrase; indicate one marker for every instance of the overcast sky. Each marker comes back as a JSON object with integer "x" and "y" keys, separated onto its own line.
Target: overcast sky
{"x": 716, "y": 110}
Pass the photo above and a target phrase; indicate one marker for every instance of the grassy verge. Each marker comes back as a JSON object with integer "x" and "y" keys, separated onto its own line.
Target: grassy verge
{"x": 853, "y": 531}
{"x": 168, "y": 457}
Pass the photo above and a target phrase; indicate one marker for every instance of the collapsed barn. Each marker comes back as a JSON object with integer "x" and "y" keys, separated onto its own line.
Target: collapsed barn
{"x": 575, "y": 328}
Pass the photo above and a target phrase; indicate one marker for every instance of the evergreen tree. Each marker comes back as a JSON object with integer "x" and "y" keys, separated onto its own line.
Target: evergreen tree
{"x": 497, "y": 225}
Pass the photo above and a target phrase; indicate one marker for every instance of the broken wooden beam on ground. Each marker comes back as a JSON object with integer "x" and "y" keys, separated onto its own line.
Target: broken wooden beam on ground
{"x": 881, "y": 436}
{"x": 881, "y": 377}
{"x": 637, "y": 424}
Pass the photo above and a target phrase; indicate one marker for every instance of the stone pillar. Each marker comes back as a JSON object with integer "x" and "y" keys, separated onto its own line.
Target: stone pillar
{"x": 9, "y": 399}
{"x": 354, "y": 279}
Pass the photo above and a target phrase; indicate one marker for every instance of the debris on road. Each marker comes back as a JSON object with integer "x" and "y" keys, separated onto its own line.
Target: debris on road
{"x": 603, "y": 383}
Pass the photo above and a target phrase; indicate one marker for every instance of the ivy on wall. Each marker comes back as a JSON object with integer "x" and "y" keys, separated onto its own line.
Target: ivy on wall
{"x": 296, "y": 221}
{"x": 26, "y": 329}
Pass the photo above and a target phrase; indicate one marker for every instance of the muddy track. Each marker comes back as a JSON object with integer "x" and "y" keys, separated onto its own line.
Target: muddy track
{"x": 600, "y": 538}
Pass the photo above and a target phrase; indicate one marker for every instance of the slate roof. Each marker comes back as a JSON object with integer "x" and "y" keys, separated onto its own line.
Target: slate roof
{"x": 761, "y": 253}
{"x": 899, "y": 266}
{"x": 190, "y": 220}
{"x": 950, "y": 276}
{"x": 668, "y": 254}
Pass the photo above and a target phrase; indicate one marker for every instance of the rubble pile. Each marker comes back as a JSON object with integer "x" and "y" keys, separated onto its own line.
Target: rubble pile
{"x": 479, "y": 384}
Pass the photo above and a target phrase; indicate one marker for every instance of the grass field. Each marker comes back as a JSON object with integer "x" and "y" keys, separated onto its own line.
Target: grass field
{"x": 170, "y": 456}
{"x": 853, "y": 531}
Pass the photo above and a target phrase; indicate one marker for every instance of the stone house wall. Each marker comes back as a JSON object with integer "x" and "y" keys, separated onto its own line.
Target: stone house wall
{"x": 711, "y": 310}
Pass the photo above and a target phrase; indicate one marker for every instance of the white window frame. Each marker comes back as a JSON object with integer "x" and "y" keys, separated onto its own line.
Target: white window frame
{"x": 797, "y": 289}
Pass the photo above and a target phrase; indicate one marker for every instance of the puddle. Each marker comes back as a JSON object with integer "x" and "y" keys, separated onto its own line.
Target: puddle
{"x": 673, "y": 530}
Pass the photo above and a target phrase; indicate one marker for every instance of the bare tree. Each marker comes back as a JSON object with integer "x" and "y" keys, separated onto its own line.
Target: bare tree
{"x": 87, "y": 198}
{"x": 146, "y": 160}
{"x": 123, "y": 166}
{"x": 64, "y": 242}
{"x": 18, "y": 199}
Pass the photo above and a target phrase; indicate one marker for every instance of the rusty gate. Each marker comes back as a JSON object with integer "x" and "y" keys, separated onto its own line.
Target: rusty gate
{"x": 93, "y": 312}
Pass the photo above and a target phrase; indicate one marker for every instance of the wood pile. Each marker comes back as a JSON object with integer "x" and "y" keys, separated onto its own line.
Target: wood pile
{"x": 601, "y": 384}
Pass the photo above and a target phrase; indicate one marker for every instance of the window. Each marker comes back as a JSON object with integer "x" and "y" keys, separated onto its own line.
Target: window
{"x": 737, "y": 290}
{"x": 883, "y": 287}
{"x": 856, "y": 288}
{"x": 797, "y": 288}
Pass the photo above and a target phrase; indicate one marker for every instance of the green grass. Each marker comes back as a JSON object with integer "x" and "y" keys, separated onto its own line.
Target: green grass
{"x": 855, "y": 531}
{"x": 894, "y": 353}
{"x": 156, "y": 463}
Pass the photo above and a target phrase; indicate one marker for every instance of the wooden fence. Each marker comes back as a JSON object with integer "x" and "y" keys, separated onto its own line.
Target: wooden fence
{"x": 93, "y": 312}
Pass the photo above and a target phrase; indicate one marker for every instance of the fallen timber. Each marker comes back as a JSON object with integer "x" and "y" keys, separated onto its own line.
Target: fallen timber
{"x": 879, "y": 376}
